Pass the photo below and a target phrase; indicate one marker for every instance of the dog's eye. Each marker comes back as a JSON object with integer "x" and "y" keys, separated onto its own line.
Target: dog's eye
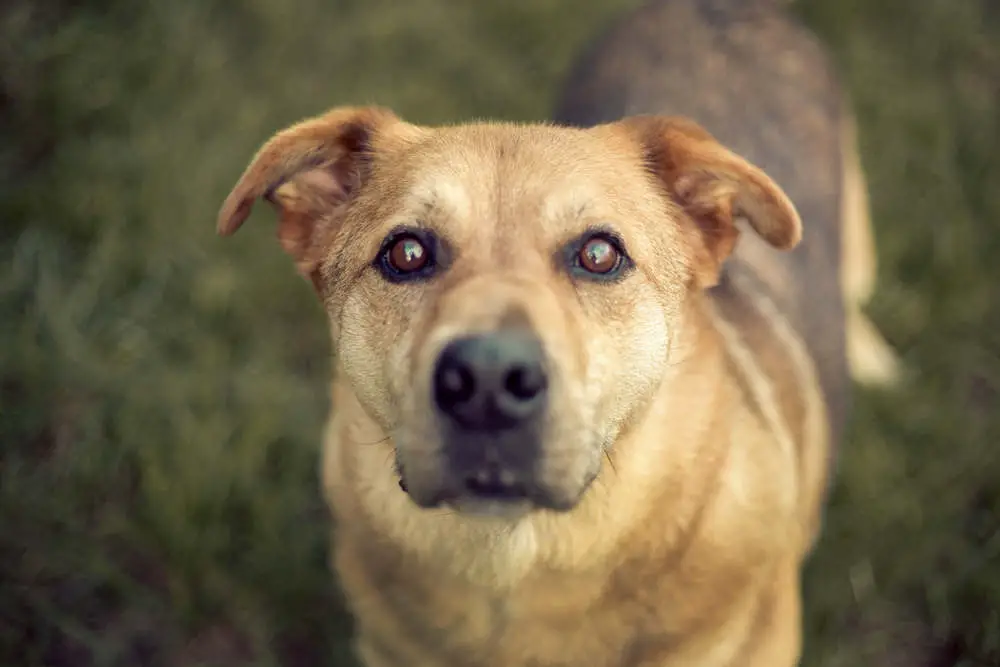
{"x": 600, "y": 256}
{"x": 597, "y": 255}
{"x": 407, "y": 254}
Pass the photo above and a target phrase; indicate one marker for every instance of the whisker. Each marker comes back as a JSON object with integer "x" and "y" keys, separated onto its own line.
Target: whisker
{"x": 673, "y": 364}
{"x": 611, "y": 462}
{"x": 372, "y": 443}
{"x": 388, "y": 436}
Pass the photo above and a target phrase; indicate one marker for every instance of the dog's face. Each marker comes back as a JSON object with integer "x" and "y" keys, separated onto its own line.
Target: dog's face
{"x": 504, "y": 299}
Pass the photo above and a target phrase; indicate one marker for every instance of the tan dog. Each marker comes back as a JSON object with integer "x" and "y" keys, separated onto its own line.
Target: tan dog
{"x": 599, "y": 470}
{"x": 569, "y": 429}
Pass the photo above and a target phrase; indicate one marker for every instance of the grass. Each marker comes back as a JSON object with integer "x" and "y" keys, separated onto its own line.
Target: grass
{"x": 162, "y": 390}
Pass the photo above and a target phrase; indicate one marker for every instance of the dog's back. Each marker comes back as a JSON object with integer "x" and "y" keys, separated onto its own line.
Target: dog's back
{"x": 763, "y": 85}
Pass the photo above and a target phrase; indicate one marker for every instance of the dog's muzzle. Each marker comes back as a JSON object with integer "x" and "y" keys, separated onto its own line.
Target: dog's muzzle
{"x": 490, "y": 392}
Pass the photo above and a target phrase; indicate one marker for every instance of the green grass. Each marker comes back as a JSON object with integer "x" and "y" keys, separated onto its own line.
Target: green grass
{"x": 162, "y": 390}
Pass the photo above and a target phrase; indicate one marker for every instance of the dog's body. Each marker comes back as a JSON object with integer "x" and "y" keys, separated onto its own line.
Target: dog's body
{"x": 566, "y": 430}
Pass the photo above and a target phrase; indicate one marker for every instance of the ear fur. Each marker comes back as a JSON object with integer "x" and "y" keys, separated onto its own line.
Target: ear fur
{"x": 308, "y": 172}
{"x": 714, "y": 187}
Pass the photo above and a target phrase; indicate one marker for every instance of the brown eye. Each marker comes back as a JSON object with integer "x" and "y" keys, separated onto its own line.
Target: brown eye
{"x": 598, "y": 255}
{"x": 407, "y": 255}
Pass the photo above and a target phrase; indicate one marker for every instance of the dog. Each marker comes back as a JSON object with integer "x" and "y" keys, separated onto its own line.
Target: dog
{"x": 589, "y": 376}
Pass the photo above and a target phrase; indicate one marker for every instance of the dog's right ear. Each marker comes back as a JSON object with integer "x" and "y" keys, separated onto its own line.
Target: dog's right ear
{"x": 309, "y": 173}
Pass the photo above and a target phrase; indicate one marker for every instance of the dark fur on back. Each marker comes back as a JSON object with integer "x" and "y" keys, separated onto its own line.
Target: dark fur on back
{"x": 763, "y": 85}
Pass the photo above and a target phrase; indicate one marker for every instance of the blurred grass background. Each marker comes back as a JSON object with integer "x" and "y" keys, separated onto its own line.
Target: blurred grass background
{"x": 162, "y": 391}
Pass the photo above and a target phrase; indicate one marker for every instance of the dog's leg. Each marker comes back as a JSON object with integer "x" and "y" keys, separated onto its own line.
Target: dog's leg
{"x": 872, "y": 360}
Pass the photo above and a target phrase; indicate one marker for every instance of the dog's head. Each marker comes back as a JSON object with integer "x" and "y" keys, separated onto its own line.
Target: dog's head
{"x": 504, "y": 298}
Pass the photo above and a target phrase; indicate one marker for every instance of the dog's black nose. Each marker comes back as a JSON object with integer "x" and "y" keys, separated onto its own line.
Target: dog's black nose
{"x": 491, "y": 381}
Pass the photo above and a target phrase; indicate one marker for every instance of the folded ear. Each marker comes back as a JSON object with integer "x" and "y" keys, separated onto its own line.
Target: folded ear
{"x": 308, "y": 172}
{"x": 715, "y": 187}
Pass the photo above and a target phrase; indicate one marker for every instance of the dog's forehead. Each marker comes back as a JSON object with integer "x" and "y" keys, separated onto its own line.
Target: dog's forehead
{"x": 504, "y": 175}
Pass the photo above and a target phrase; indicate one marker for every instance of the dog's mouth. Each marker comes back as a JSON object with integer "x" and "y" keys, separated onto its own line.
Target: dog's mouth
{"x": 491, "y": 485}
{"x": 489, "y": 491}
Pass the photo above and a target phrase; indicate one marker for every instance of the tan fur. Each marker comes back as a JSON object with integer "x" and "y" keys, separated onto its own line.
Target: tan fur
{"x": 688, "y": 427}
{"x": 872, "y": 359}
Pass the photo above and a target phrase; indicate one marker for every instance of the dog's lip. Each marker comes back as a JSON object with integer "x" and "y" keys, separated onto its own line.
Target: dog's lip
{"x": 527, "y": 496}
{"x": 495, "y": 484}
{"x": 496, "y": 507}
{"x": 513, "y": 494}
{"x": 511, "y": 500}
{"x": 424, "y": 500}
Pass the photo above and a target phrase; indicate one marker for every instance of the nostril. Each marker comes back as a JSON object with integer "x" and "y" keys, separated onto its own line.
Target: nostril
{"x": 455, "y": 385}
{"x": 490, "y": 382}
{"x": 524, "y": 382}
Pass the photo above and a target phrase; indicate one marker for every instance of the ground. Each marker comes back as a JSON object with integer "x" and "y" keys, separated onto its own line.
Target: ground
{"x": 162, "y": 390}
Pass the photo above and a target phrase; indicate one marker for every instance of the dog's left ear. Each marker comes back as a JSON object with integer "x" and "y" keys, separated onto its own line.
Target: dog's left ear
{"x": 714, "y": 187}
